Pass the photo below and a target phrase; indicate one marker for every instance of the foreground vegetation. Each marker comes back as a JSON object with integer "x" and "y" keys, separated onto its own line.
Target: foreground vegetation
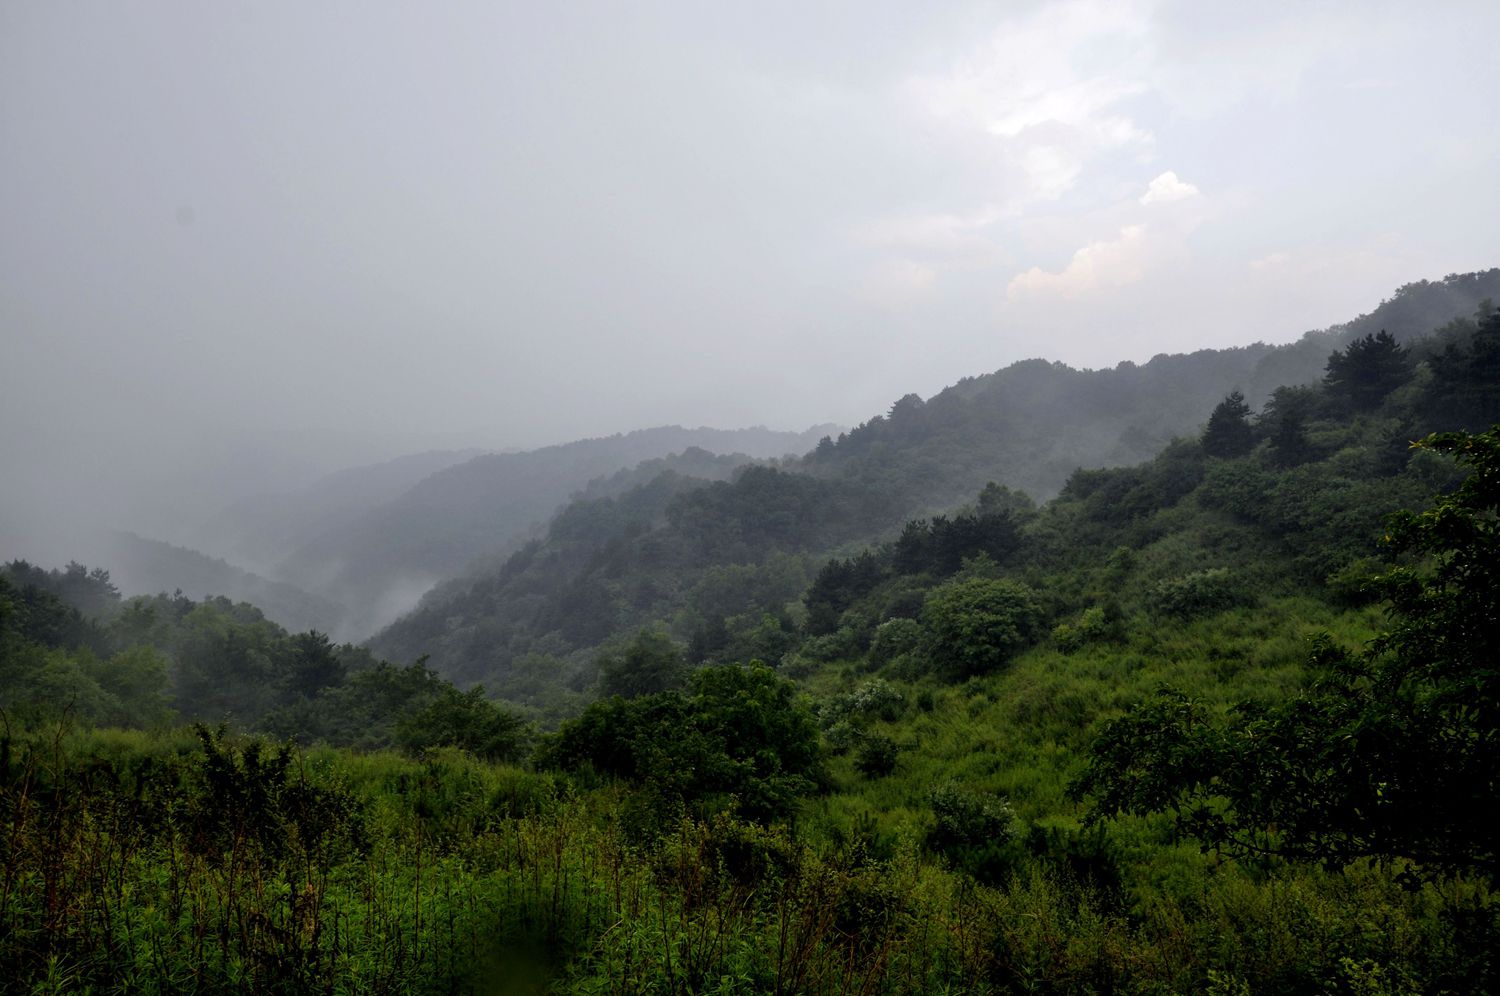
{"x": 157, "y": 864}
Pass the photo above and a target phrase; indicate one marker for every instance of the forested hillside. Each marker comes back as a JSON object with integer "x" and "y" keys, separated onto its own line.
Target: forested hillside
{"x": 1221, "y": 721}
{"x": 382, "y": 560}
{"x": 718, "y": 565}
{"x": 141, "y": 566}
{"x": 1030, "y": 425}
{"x": 1101, "y": 594}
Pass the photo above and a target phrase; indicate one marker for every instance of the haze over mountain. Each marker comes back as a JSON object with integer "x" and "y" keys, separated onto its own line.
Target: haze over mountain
{"x": 379, "y": 560}
{"x": 141, "y": 566}
{"x": 992, "y": 733}
{"x": 702, "y": 557}
{"x": 259, "y": 530}
{"x": 238, "y": 252}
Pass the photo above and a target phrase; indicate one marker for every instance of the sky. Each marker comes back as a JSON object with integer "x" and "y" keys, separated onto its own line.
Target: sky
{"x": 242, "y": 244}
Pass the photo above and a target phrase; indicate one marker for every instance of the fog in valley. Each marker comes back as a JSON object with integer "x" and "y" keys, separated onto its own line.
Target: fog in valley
{"x": 319, "y": 305}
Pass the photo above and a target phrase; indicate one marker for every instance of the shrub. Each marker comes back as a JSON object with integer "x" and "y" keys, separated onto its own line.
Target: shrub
{"x": 879, "y": 698}
{"x": 877, "y": 756}
{"x": 1093, "y": 626}
{"x": 967, "y": 819}
{"x": 1200, "y": 593}
{"x": 840, "y": 737}
{"x": 979, "y": 625}
{"x": 737, "y": 734}
{"x": 830, "y": 646}
{"x": 466, "y": 720}
{"x": 1351, "y": 585}
{"x": 893, "y": 638}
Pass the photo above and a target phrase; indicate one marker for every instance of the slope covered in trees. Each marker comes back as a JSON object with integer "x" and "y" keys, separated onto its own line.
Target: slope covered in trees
{"x": 380, "y": 561}
{"x": 141, "y": 566}
{"x": 719, "y": 564}
{"x": 72, "y": 650}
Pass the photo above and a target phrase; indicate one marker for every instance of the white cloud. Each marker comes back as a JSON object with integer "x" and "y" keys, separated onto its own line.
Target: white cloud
{"x": 1047, "y": 90}
{"x": 1051, "y": 170}
{"x": 1167, "y": 188}
{"x": 1112, "y": 263}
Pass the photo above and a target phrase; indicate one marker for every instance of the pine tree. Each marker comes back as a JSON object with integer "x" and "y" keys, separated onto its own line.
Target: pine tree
{"x": 1369, "y": 369}
{"x": 1228, "y": 433}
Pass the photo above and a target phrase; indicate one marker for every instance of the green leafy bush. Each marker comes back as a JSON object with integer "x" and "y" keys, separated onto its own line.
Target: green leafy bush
{"x": 964, "y": 818}
{"x": 466, "y": 720}
{"x": 877, "y": 755}
{"x": 893, "y": 638}
{"x": 1093, "y": 625}
{"x": 738, "y": 736}
{"x": 876, "y": 697}
{"x": 1197, "y": 594}
{"x": 978, "y": 625}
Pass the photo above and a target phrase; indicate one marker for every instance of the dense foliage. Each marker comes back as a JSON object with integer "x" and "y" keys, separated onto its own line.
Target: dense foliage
{"x": 737, "y": 738}
{"x": 1392, "y": 752}
{"x": 71, "y": 649}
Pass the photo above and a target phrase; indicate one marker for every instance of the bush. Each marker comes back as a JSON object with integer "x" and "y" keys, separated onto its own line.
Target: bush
{"x": 466, "y": 720}
{"x": 830, "y": 646}
{"x": 967, "y": 819}
{"x": 1093, "y": 626}
{"x": 878, "y": 698}
{"x": 893, "y": 638}
{"x": 1351, "y": 585}
{"x": 875, "y": 698}
{"x": 979, "y": 625}
{"x": 1198, "y": 594}
{"x": 736, "y": 735}
{"x": 840, "y": 737}
{"x": 974, "y": 831}
{"x": 877, "y": 756}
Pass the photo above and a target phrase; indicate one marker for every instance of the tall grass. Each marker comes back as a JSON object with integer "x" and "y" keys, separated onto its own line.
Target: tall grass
{"x": 175, "y": 862}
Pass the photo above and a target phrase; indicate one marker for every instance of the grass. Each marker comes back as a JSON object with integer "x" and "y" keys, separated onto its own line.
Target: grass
{"x": 447, "y": 874}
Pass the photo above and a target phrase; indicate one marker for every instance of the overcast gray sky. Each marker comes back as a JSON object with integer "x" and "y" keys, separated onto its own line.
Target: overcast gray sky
{"x": 243, "y": 242}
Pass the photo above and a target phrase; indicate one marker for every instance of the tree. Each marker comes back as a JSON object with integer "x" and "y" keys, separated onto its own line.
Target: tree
{"x": 466, "y": 720}
{"x": 977, "y": 625}
{"x": 1287, "y": 414}
{"x": 1465, "y": 388}
{"x": 1228, "y": 432}
{"x": 1391, "y": 753}
{"x": 1368, "y": 370}
{"x": 997, "y": 499}
{"x": 309, "y": 663}
{"x": 650, "y": 663}
{"x": 839, "y": 585}
{"x": 738, "y": 735}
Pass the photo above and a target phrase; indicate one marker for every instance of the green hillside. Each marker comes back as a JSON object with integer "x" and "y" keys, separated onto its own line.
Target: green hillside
{"x": 382, "y": 559}
{"x": 1221, "y": 721}
{"x": 718, "y": 565}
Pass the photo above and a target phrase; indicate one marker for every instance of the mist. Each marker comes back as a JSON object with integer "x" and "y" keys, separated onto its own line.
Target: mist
{"x": 245, "y": 246}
